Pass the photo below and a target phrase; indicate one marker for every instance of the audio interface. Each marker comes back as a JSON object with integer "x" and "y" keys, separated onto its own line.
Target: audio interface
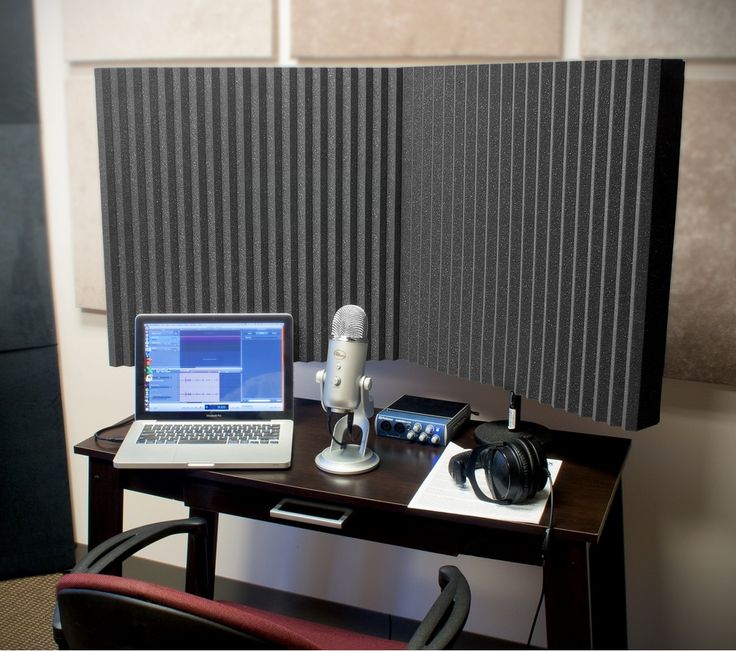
{"x": 422, "y": 420}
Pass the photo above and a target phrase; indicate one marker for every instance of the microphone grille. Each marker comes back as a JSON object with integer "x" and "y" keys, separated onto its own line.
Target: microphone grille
{"x": 350, "y": 323}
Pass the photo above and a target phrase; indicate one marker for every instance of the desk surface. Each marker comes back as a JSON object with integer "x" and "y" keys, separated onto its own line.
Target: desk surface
{"x": 584, "y": 490}
{"x": 585, "y": 597}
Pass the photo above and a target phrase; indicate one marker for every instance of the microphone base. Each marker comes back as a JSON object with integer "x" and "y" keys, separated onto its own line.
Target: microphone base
{"x": 347, "y": 460}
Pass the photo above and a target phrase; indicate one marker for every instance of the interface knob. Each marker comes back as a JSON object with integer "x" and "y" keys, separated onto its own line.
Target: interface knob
{"x": 435, "y": 439}
{"x": 417, "y": 427}
{"x": 422, "y": 437}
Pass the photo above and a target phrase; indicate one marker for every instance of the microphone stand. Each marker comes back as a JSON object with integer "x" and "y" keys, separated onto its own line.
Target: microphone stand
{"x": 349, "y": 459}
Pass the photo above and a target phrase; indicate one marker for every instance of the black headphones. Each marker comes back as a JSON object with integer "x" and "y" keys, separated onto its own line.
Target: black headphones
{"x": 516, "y": 469}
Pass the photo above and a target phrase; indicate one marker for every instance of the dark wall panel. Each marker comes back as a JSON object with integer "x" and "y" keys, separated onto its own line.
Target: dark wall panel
{"x": 556, "y": 244}
{"x": 26, "y": 319}
{"x": 246, "y": 190}
{"x": 35, "y": 521}
{"x": 18, "y": 70}
{"x": 36, "y": 525}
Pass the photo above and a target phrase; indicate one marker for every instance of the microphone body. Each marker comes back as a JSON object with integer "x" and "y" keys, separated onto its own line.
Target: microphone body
{"x": 347, "y": 350}
{"x": 345, "y": 367}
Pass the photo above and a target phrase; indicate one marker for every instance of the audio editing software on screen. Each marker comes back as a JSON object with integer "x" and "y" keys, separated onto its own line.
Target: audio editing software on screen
{"x": 211, "y": 367}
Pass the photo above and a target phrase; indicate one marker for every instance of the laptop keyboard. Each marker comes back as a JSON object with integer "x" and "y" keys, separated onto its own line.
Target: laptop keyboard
{"x": 210, "y": 433}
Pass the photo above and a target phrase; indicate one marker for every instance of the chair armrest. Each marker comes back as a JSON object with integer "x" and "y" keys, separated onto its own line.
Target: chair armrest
{"x": 127, "y": 543}
{"x": 445, "y": 619}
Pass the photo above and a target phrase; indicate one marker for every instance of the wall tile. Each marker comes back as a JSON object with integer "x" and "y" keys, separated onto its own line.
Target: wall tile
{"x": 84, "y": 179}
{"x": 109, "y": 30}
{"x": 701, "y": 338}
{"x": 426, "y": 28}
{"x": 662, "y": 28}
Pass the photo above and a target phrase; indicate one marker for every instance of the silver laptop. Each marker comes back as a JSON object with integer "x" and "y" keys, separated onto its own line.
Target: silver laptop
{"x": 211, "y": 391}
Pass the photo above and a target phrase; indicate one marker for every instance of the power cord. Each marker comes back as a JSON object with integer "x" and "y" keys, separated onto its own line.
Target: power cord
{"x": 348, "y": 432}
{"x": 113, "y": 439}
{"x": 329, "y": 429}
{"x": 545, "y": 545}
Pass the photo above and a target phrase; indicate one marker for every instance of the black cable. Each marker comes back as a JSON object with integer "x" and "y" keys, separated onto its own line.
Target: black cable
{"x": 329, "y": 429}
{"x": 348, "y": 432}
{"x": 113, "y": 439}
{"x": 536, "y": 615}
{"x": 545, "y": 545}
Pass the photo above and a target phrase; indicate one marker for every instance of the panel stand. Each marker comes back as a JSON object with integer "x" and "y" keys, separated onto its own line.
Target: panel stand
{"x": 501, "y": 430}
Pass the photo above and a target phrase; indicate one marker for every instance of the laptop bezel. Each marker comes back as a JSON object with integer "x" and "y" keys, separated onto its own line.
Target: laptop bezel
{"x": 140, "y": 367}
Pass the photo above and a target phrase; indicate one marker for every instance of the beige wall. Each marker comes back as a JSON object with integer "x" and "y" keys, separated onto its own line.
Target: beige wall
{"x": 680, "y": 520}
{"x": 701, "y": 341}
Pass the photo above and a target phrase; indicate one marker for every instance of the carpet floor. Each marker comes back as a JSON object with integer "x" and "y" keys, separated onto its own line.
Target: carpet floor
{"x": 26, "y": 608}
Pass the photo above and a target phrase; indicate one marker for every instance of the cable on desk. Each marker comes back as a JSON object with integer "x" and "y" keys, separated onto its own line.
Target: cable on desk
{"x": 112, "y": 439}
{"x": 545, "y": 545}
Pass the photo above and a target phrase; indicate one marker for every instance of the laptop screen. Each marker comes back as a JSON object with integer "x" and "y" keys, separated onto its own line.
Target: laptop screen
{"x": 213, "y": 366}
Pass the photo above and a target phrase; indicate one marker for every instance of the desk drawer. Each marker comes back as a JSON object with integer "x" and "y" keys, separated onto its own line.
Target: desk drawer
{"x": 402, "y": 527}
{"x": 376, "y": 524}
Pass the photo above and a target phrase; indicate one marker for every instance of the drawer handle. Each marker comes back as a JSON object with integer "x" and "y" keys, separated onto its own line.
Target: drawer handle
{"x": 310, "y": 513}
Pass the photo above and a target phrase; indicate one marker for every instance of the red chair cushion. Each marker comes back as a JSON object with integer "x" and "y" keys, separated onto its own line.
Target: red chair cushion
{"x": 283, "y": 631}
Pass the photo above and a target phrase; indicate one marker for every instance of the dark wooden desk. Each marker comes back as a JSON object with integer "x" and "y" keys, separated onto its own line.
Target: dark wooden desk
{"x": 585, "y": 600}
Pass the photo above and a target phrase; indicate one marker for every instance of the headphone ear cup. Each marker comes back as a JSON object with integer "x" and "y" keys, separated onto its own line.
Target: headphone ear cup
{"x": 502, "y": 472}
{"x": 458, "y": 467}
{"x": 536, "y": 464}
{"x": 521, "y": 472}
{"x": 540, "y": 466}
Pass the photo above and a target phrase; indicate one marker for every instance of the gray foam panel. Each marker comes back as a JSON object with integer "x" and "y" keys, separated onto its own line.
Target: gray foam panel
{"x": 538, "y": 202}
{"x": 26, "y": 318}
{"x": 247, "y": 190}
{"x": 511, "y": 224}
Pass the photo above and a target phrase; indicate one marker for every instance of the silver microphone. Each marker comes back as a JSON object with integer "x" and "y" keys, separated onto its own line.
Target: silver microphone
{"x": 345, "y": 389}
{"x": 346, "y": 353}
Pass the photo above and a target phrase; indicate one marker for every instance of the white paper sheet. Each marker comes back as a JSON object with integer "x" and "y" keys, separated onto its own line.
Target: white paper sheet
{"x": 440, "y": 493}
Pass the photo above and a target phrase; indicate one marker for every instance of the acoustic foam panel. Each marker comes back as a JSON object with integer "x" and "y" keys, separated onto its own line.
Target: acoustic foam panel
{"x": 511, "y": 224}
{"x": 18, "y": 103}
{"x": 26, "y": 319}
{"x": 251, "y": 190}
{"x": 35, "y": 512}
{"x": 36, "y": 525}
{"x": 538, "y": 200}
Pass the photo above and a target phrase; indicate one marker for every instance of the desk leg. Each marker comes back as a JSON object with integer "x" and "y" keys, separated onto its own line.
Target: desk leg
{"x": 608, "y": 582}
{"x": 105, "y": 501}
{"x": 566, "y": 602}
{"x": 200, "y": 578}
{"x": 585, "y": 589}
